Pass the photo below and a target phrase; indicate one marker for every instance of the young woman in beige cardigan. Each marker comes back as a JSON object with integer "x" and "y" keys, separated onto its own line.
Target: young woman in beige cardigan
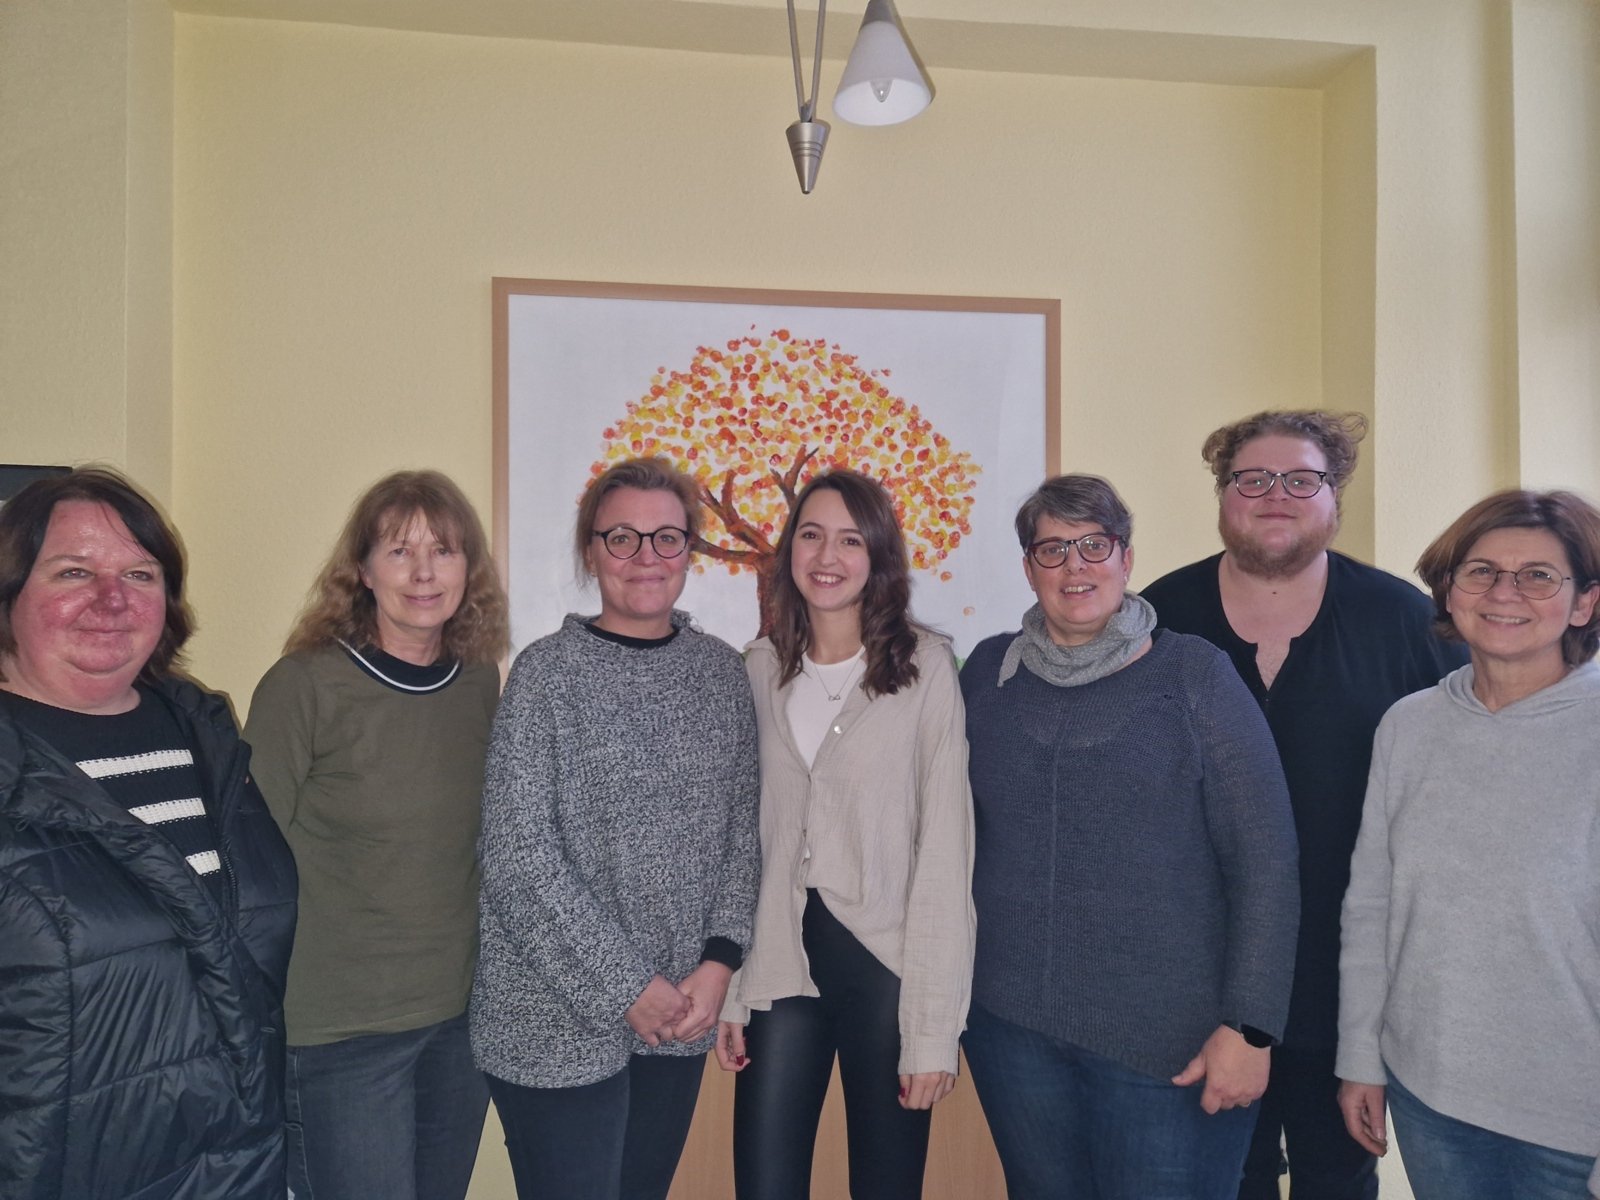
{"x": 864, "y": 925}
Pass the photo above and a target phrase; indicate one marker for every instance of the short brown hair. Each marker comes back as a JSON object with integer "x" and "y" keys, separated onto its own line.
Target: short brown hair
{"x": 1576, "y": 525}
{"x": 1336, "y": 434}
{"x": 341, "y": 608}
{"x": 25, "y": 519}
{"x": 646, "y": 474}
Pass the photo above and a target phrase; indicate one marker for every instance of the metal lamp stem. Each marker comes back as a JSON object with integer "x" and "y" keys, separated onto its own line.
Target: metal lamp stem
{"x": 807, "y": 137}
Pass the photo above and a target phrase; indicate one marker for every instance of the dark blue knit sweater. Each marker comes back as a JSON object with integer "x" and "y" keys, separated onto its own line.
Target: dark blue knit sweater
{"x": 1135, "y": 880}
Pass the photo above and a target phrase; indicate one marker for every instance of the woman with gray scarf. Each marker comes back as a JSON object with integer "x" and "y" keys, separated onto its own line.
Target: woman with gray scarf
{"x": 1135, "y": 880}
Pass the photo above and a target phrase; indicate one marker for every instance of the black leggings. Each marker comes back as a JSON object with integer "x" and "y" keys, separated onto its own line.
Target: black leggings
{"x": 619, "y": 1139}
{"x": 778, "y": 1097}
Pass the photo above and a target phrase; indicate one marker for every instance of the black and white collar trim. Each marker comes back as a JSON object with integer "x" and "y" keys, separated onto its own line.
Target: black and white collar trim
{"x": 400, "y": 675}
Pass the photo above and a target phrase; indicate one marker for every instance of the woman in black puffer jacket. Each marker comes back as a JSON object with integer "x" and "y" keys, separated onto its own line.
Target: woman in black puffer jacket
{"x": 147, "y": 899}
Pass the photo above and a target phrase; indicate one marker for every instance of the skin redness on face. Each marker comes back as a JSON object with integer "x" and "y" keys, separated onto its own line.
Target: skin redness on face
{"x": 829, "y": 559}
{"x": 637, "y": 594}
{"x": 1078, "y": 598}
{"x": 90, "y": 614}
{"x": 417, "y": 579}
{"x": 1277, "y": 536}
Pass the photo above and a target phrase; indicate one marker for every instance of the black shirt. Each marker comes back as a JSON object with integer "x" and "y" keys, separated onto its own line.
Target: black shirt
{"x": 1370, "y": 643}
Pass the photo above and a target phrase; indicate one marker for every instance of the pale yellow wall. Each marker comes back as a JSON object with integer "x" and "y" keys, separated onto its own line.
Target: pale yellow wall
{"x": 344, "y": 197}
{"x": 86, "y": 234}
{"x": 1556, "y": 123}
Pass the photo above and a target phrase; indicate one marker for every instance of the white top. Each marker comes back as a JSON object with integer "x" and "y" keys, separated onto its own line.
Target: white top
{"x": 816, "y": 697}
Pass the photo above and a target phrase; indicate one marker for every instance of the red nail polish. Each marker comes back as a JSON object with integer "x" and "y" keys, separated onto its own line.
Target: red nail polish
{"x": 739, "y": 1060}
{"x": 902, "y": 1093}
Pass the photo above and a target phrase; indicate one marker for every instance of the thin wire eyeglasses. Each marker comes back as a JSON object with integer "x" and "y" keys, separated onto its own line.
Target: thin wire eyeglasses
{"x": 1536, "y": 583}
{"x": 1302, "y": 485}
{"x": 1051, "y": 553}
{"x": 621, "y": 542}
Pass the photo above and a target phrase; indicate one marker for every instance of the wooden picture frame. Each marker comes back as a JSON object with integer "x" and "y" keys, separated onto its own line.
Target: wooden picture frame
{"x": 954, "y": 401}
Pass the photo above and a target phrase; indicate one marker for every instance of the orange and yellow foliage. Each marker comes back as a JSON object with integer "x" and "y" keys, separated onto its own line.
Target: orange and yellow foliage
{"x": 756, "y": 417}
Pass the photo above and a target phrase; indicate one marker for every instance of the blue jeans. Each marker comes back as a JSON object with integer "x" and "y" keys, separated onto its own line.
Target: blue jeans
{"x": 619, "y": 1139}
{"x": 1447, "y": 1159}
{"x": 1072, "y": 1125}
{"x": 397, "y": 1115}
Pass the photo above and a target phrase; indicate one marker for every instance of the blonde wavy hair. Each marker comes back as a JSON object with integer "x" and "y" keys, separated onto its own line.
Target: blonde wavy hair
{"x": 340, "y": 608}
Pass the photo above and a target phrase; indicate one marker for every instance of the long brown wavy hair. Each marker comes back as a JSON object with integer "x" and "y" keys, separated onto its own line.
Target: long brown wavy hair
{"x": 887, "y": 631}
{"x": 340, "y": 608}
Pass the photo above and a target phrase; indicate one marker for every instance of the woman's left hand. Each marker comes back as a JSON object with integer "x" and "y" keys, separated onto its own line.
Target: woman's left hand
{"x": 925, "y": 1089}
{"x": 1235, "y": 1071}
{"x": 707, "y": 987}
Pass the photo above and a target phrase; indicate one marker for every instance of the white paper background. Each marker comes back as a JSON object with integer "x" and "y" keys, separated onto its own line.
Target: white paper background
{"x": 575, "y": 363}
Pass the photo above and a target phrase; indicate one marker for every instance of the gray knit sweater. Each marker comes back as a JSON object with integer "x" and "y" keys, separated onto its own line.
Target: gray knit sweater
{"x": 1135, "y": 881}
{"x": 619, "y": 833}
{"x": 1471, "y": 959}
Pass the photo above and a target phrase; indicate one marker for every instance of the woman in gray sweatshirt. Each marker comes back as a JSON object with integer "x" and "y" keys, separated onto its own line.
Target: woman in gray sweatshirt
{"x": 620, "y": 860}
{"x": 1470, "y": 972}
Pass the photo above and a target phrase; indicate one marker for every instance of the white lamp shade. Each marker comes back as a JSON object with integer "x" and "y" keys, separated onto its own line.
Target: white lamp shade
{"x": 883, "y": 83}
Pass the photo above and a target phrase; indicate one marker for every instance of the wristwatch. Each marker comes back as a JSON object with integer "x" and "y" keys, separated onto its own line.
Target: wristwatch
{"x": 1251, "y": 1035}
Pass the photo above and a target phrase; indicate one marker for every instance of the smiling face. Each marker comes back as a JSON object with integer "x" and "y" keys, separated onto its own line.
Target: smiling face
{"x": 637, "y": 594}
{"x": 417, "y": 579}
{"x": 1505, "y": 627}
{"x": 1078, "y": 598}
{"x": 90, "y": 614}
{"x": 1277, "y": 536}
{"x": 829, "y": 560}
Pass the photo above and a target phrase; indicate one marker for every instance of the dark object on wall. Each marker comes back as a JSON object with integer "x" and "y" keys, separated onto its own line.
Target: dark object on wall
{"x": 14, "y": 477}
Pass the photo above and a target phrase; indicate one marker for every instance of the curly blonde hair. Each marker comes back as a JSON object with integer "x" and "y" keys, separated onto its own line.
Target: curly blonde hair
{"x": 340, "y": 608}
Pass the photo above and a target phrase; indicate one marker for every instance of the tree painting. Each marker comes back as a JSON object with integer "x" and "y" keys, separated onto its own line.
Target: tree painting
{"x": 754, "y": 418}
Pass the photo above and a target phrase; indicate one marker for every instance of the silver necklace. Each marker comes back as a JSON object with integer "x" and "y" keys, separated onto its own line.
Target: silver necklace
{"x": 816, "y": 674}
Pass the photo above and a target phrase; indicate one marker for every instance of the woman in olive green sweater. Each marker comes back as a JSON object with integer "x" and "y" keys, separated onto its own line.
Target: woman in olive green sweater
{"x": 369, "y": 740}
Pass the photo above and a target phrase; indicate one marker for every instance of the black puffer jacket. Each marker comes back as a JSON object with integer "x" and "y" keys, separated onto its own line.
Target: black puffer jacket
{"x": 141, "y": 1031}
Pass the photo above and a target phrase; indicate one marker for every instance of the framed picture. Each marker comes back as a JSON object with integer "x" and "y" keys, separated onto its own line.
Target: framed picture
{"x": 14, "y": 477}
{"x": 951, "y": 401}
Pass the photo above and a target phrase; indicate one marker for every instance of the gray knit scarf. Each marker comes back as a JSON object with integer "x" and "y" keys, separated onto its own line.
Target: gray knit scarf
{"x": 1068, "y": 666}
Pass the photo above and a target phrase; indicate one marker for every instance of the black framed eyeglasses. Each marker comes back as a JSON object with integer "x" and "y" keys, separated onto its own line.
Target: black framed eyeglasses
{"x": 621, "y": 542}
{"x": 1302, "y": 485}
{"x": 1536, "y": 582}
{"x": 1050, "y": 553}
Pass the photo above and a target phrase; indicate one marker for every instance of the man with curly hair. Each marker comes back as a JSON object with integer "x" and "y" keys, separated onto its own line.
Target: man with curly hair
{"x": 1326, "y": 644}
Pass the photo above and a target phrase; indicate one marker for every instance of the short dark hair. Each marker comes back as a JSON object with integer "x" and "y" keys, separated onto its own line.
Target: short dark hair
{"x": 887, "y": 631}
{"x": 1078, "y": 500}
{"x": 1572, "y": 519}
{"x": 25, "y": 520}
{"x": 1337, "y": 435}
{"x": 652, "y": 474}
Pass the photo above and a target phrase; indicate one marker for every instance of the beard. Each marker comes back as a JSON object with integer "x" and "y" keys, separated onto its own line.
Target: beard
{"x": 1278, "y": 562}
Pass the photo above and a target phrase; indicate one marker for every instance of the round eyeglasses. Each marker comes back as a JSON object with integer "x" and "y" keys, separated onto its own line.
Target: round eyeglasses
{"x": 1536, "y": 583}
{"x": 621, "y": 542}
{"x": 1302, "y": 485}
{"x": 1092, "y": 548}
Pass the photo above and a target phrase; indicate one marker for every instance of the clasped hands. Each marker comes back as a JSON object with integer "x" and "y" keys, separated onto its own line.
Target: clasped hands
{"x": 681, "y": 1012}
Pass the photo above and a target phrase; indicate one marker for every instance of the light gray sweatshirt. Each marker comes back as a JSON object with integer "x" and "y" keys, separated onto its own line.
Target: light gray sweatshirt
{"x": 1470, "y": 968}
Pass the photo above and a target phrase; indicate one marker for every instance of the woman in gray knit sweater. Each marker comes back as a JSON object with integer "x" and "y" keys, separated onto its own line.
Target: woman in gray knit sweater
{"x": 620, "y": 860}
{"x": 1469, "y": 983}
{"x": 1136, "y": 880}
